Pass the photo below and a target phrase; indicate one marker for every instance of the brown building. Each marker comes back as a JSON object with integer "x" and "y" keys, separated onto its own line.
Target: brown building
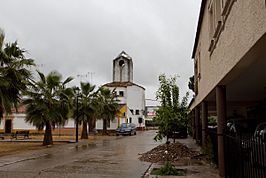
{"x": 229, "y": 65}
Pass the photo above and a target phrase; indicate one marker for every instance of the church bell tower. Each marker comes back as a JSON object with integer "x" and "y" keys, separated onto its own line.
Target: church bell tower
{"x": 123, "y": 68}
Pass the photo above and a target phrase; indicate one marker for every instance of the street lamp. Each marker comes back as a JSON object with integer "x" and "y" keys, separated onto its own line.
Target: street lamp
{"x": 77, "y": 112}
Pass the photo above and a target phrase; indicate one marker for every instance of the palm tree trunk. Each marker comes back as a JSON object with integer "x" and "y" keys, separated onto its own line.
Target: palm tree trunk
{"x": 48, "y": 138}
{"x": 104, "y": 126}
{"x": 91, "y": 125}
{"x": 84, "y": 134}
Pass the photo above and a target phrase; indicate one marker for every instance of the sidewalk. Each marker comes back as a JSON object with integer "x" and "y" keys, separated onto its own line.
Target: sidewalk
{"x": 194, "y": 169}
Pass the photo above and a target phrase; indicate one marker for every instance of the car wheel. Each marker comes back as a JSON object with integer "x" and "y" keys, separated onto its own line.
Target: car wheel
{"x": 135, "y": 133}
{"x": 130, "y": 133}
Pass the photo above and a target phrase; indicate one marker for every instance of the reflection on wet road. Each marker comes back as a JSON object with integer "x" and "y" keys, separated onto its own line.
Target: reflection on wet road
{"x": 109, "y": 157}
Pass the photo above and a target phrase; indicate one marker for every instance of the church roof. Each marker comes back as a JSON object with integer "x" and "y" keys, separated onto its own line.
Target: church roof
{"x": 122, "y": 84}
{"x": 124, "y": 55}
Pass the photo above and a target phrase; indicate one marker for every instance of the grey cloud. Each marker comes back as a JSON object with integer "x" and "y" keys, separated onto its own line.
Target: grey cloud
{"x": 81, "y": 36}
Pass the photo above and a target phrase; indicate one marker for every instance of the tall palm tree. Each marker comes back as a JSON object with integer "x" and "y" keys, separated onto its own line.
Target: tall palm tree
{"x": 108, "y": 107}
{"x": 87, "y": 110}
{"x": 14, "y": 75}
{"x": 48, "y": 103}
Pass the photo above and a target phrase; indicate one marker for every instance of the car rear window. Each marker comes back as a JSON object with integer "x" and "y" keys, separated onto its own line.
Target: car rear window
{"x": 125, "y": 125}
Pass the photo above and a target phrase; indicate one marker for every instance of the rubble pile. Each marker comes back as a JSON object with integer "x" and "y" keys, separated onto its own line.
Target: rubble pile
{"x": 172, "y": 152}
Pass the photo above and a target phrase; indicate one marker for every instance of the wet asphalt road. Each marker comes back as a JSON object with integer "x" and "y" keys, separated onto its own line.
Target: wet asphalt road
{"x": 109, "y": 157}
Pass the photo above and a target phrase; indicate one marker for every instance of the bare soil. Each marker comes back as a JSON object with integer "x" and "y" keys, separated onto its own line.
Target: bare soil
{"x": 8, "y": 148}
{"x": 13, "y": 147}
{"x": 174, "y": 152}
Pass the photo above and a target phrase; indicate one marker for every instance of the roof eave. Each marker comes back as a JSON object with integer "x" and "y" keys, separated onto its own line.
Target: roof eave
{"x": 202, "y": 8}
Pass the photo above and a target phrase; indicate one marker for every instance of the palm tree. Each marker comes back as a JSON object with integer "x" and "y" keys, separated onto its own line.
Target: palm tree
{"x": 108, "y": 107}
{"x": 48, "y": 103}
{"x": 14, "y": 75}
{"x": 87, "y": 110}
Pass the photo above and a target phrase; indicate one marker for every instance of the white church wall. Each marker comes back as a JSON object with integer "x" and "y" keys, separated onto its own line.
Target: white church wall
{"x": 136, "y": 101}
{"x": 113, "y": 124}
{"x": 121, "y": 99}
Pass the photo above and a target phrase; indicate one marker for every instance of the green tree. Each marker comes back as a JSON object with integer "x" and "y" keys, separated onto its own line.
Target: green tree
{"x": 88, "y": 108}
{"x": 2, "y": 36}
{"x": 172, "y": 114}
{"x": 108, "y": 106}
{"x": 48, "y": 103}
{"x": 191, "y": 83}
{"x": 14, "y": 75}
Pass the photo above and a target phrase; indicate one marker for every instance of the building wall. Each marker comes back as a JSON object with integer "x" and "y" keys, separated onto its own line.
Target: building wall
{"x": 70, "y": 123}
{"x": 2, "y": 124}
{"x": 244, "y": 26}
{"x": 19, "y": 122}
{"x": 136, "y": 101}
{"x": 122, "y": 100}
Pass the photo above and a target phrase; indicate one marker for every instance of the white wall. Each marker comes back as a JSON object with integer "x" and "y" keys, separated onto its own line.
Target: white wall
{"x": 19, "y": 122}
{"x": 122, "y": 100}
{"x": 136, "y": 101}
{"x": 113, "y": 124}
{"x": 2, "y": 124}
{"x": 70, "y": 123}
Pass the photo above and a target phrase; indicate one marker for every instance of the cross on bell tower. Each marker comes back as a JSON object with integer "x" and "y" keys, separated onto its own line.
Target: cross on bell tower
{"x": 123, "y": 68}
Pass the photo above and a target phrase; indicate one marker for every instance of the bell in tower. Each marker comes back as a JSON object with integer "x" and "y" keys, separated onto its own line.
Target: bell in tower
{"x": 123, "y": 68}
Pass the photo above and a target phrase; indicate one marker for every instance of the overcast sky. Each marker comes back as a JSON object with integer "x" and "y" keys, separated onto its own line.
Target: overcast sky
{"x": 77, "y": 37}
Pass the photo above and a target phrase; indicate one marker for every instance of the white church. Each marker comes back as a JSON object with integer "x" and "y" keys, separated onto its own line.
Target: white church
{"x": 130, "y": 96}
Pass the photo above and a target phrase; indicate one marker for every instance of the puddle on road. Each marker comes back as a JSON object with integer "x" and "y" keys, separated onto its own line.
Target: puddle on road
{"x": 106, "y": 142}
{"x": 92, "y": 161}
{"x": 85, "y": 146}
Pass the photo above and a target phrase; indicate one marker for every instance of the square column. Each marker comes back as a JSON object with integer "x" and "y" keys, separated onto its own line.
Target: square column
{"x": 204, "y": 107}
{"x": 197, "y": 125}
{"x": 221, "y": 115}
{"x": 193, "y": 125}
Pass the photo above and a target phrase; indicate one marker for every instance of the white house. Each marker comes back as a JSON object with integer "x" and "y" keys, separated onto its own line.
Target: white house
{"x": 131, "y": 97}
{"x": 16, "y": 121}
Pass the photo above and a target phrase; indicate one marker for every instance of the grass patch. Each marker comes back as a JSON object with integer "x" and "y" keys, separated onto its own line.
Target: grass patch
{"x": 168, "y": 169}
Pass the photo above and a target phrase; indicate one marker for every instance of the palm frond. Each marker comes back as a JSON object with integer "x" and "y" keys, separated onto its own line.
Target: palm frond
{"x": 69, "y": 79}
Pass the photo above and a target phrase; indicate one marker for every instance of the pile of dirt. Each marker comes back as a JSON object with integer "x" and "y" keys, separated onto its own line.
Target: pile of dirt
{"x": 172, "y": 152}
